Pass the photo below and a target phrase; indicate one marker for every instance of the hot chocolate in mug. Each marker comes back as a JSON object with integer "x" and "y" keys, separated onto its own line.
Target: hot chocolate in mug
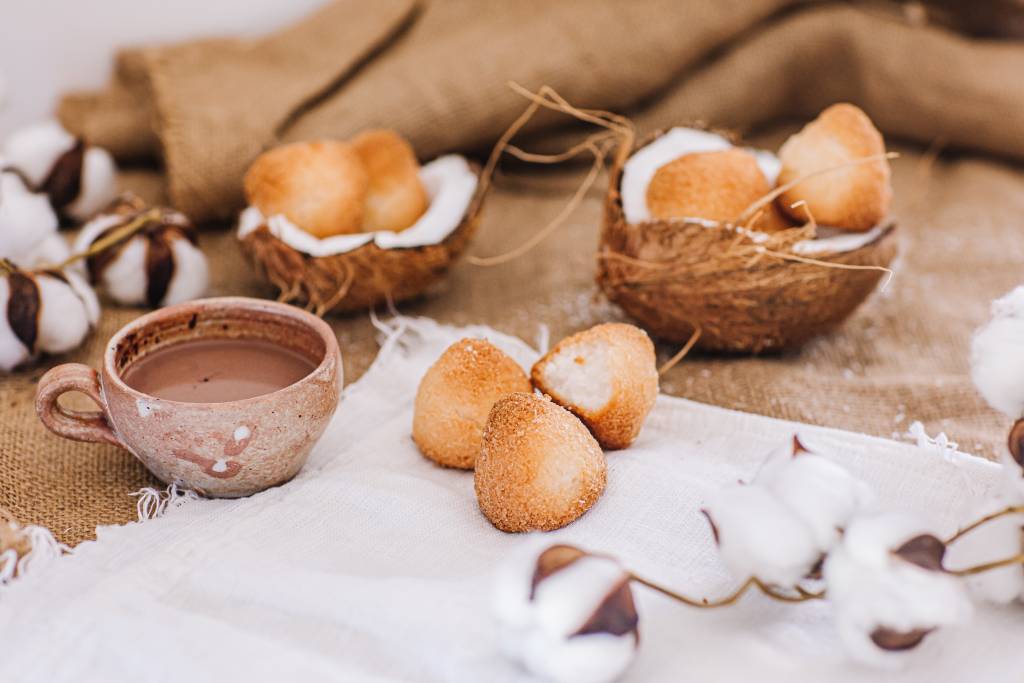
{"x": 224, "y": 396}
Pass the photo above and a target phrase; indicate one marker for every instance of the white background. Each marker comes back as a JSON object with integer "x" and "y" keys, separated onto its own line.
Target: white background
{"x": 50, "y": 46}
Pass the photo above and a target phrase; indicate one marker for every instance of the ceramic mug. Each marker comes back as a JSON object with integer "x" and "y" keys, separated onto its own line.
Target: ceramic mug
{"x": 227, "y": 449}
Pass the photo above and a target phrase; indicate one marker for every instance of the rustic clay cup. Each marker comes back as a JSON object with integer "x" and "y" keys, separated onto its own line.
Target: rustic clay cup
{"x": 223, "y": 450}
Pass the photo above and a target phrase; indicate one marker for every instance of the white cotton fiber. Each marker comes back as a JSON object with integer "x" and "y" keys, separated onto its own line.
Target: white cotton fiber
{"x": 997, "y": 356}
{"x": 759, "y": 536}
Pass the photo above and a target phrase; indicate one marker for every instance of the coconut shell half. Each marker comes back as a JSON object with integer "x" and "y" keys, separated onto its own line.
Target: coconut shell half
{"x": 675, "y": 276}
{"x": 363, "y": 277}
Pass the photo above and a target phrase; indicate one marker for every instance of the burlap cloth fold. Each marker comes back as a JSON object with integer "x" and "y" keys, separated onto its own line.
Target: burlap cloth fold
{"x": 437, "y": 72}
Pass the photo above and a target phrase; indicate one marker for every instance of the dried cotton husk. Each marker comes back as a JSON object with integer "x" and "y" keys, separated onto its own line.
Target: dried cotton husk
{"x": 46, "y": 311}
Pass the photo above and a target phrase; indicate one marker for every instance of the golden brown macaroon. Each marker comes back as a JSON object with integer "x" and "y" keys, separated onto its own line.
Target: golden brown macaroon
{"x": 539, "y": 468}
{"x": 396, "y": 197}
{"x": 854, "y": 198}
{"x": 319, "y": 186}
{"x": 455, "y": 397}
{"x": 717, "y": 186}
{"x": 607, "y": 376}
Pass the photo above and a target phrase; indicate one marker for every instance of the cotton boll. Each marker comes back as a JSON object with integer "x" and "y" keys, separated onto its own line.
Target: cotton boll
{"x": 566, "y": 615}
{"x": 45, "y": 311}
{"x": 124, "y": 278}
{"x": 512, "y": 593}
{"x": 66, "y": 313}
{"x": 50, "y": 251}
{"x": 191, "y": 273}
{"x": 99, "y": 185}
{"x": 888, "y": 588}
{"x": 33, "y": 149}
{"x": 1013, "y": 468}
{"x": 821, "y": 493}
{"x": 592, "y": 658}
{"x": 13, "y": 351}
{"x": 760, "y": 537}
{"x": 85, "y": 293}
{"x": 992, "y": 541}
{"x": 79, "y": 180}
{"x": 997, "y": 356}
{"x": 26, "y": 220}
{"x": 158, "y": 264}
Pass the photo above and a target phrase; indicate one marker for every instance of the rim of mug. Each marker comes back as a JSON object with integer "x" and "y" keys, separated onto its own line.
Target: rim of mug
{"x": 242, "y": 302}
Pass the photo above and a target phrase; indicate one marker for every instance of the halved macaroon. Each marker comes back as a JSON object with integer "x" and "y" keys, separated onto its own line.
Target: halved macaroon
{"x": 607, "y": 376}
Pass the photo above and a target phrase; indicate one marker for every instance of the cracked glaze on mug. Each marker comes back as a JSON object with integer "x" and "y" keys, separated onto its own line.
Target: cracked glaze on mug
{"x": 234, "y": 448}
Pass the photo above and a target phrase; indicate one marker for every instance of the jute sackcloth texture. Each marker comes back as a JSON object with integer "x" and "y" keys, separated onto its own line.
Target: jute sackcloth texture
{"x": 438, "y": 72}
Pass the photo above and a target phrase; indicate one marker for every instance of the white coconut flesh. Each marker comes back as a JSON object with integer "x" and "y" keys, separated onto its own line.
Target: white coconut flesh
{"x": 581, "y": 375}
{"x": 450, "y": 184}
{"x": 645, "y": 162}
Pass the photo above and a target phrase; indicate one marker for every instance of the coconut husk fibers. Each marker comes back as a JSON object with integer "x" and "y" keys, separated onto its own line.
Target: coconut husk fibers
{"x": 361, "y": 278}
{"x": 900, "y": 357}
{"x": 676, "y": 277}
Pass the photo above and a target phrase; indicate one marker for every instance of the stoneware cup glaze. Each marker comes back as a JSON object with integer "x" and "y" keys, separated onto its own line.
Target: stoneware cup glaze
{"x": 226, "y": 449}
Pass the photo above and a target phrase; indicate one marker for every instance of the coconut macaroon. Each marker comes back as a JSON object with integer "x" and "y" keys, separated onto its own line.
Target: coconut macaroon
{"x": 607, "y": 376}
{"x": 395, "y": 197}
{"x": 717, "y": 186}
{"x": 539, "y": 468}
{"x": 853, "y": 198}
{"x": 455, "y": 397}
{"x": 319, "y": 186}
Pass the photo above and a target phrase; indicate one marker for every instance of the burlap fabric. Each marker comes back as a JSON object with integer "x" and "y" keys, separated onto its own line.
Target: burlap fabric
{"x": 438, "y": 74}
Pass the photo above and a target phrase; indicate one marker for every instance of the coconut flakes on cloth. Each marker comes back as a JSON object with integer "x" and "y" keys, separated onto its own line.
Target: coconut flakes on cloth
{"x": 374, "y": 564}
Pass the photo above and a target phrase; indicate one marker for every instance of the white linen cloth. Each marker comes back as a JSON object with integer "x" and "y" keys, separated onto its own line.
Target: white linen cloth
{"x": 373, "y": 564}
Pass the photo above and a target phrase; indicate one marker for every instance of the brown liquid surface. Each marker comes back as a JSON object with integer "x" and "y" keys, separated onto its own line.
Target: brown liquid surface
{"x": 216, "y": 370}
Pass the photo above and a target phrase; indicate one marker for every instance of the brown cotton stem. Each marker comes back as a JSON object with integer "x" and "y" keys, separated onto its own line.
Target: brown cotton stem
{"x": 731, "y": 598}
{"x": 114, "y": 237}
{"x": 801, "y": 596}
{"x": 7, "y": 267}
{"x": 1012, "y": 510}
{"x": 988, "y": 566}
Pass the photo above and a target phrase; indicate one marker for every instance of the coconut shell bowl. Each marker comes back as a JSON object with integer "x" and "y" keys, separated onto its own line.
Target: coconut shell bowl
{"x": 745, "y": 290}
{"x": 340, "y": 226}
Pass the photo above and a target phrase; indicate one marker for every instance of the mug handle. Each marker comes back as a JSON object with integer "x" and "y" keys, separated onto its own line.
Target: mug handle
{"x": 74, "y": 424}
